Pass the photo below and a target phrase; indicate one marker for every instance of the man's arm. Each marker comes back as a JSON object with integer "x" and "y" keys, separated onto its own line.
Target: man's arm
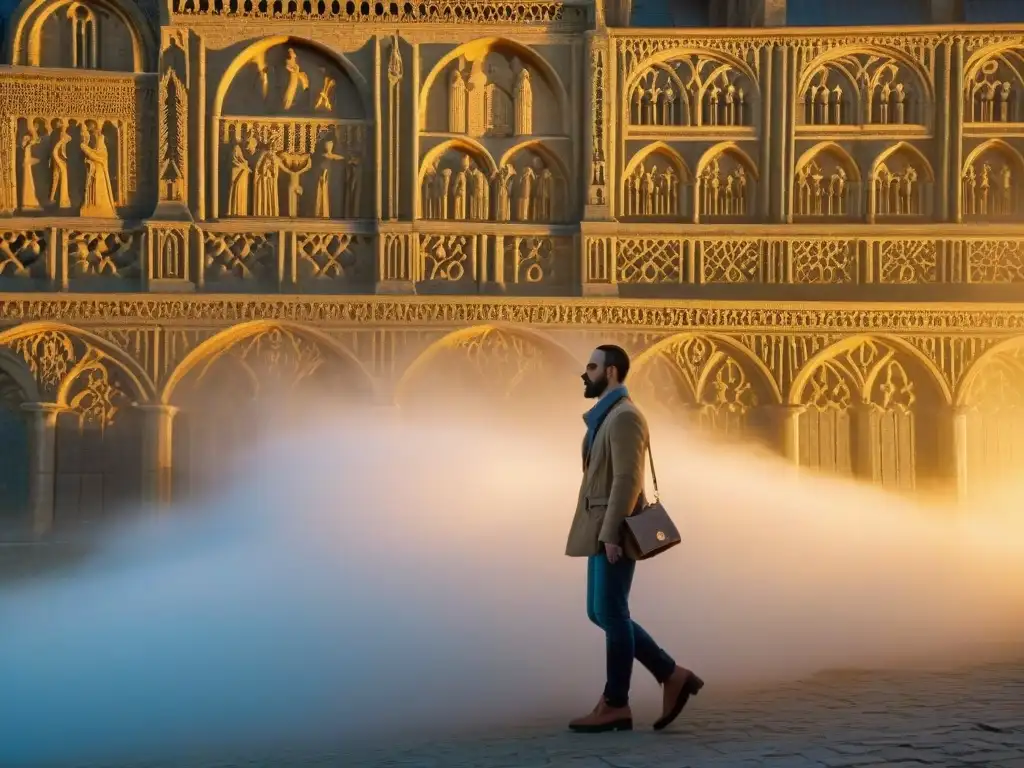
{"x": 628, "y": 438}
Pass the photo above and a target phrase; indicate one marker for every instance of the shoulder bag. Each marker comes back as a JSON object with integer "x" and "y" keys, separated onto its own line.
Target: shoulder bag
{"x": 650, "y": 528}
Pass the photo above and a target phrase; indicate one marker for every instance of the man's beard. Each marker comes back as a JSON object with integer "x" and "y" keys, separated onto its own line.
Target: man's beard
{"x": 594, "y": 389}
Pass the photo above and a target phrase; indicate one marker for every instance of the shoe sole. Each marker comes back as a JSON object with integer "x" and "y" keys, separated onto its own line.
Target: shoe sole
{"x": 691, "y": 688}
{"x": 618, "y": 725}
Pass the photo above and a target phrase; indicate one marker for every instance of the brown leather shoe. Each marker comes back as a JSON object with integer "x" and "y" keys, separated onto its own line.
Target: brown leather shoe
{"x": 604, "y": 718}
{"x": 676, "y": 691}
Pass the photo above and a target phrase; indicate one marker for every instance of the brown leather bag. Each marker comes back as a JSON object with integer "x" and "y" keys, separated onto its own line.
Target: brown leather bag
{"x": 650, "y": 528}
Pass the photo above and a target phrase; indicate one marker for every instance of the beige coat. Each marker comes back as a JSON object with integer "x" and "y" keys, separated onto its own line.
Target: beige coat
{"x": 613, "y": 482}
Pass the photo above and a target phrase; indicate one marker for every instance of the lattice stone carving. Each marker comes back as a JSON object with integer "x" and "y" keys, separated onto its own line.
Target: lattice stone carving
{"x": 818, "y": 262}
{"x": 655, "y": 188}
{"x": 98, "y": 396}
{"x": 537, "y": 260}
{"x": 103, "y": 254}
{"x": 907, "y": 262}
{"x": 998, "y": 383}
{"x": 447, "y": 258}
{"x": 993, "y": 88}
{"x": 863, "y": 89}
{"x": 650, "y": 261}
{"x": 726, "y": 187}
{"x": 329, "y": 256}
{"x": 693, "y": 90}
{"x": 22, "y": 254}
{"x": 732, "y": 261}
{"x": 995, "y": 261}
{"x": 239, "y": 255}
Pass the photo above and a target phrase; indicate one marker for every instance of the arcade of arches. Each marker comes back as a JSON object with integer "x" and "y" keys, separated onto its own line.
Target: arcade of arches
{"x": 87, "y": 430}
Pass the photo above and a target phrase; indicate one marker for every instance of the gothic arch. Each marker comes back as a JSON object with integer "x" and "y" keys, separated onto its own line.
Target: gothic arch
{"x": 871, "y": 370}
{"x": 834, "y": 55}
{"x": 724, "y": 59}
{"x": 463, "y": 144}
{"x": 539, "y": 147}
{"x": 831, "y": 148}
{"x": 658, "y": 147}
{"x": 999, "y": 50}
{"x": 766, "y": 381}
{"x": 265, "y": 44}
{"x": 910, "y": 149}
{"x": 27, "y": 20}
{"x": 18, "y": 371}
{"x": 726, "y": 148}
{"x": 999, "y": 145}
{"x": 482, "y": 46}
{"x": 214, "y": 347}
{"x": 534, "y": 344}
{"x": 62, "y": 362}
{"x": 1007, "y": 354}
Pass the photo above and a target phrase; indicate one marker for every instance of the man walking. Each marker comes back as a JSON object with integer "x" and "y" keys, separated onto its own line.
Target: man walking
{"x": 613, "y": 480}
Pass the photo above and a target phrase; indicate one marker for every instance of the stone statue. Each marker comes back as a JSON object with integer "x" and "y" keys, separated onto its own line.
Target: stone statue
{"x": 461, "y": 190}
{"x": 265, "y": 202}
{"x": 59, "y": 167}
{"x": 523, "y": 101}
{"x": 503, "y": 192}
{"x": 238, "y": 192}
{"x": 456, "y": 102}
{"x": 526, "y": 179}
{"x": 296, "y": 78}
{"x": 542, "y": 192}
{"x": 29, "y": 199}
{"x": 354, "y": 182}
{"x": 322, "y": 208}
{"x": 98, "y": 199}
{"x": 479, "y": 195}
{"x": 445, "y": 189}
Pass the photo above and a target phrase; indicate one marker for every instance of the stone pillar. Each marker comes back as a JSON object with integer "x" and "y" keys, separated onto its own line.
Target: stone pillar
{"x": 783, "y": 426}
{"x": 959, "y": 445}
{"x": 864, "y": 433}
{"x": 42, "y": 462}
{"x": 157, "y": 456}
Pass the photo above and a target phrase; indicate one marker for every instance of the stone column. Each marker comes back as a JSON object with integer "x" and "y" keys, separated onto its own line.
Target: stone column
{"x": 783, "y": 427}
{"x": 157, "y": 456}
{"x": 42, "y": 462}
{"x": 864, "y": 434}
{"x": 959, "y": 445}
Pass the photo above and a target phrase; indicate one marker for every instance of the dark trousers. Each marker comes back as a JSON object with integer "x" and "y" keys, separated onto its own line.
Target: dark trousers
{"x": 608, "y": 607}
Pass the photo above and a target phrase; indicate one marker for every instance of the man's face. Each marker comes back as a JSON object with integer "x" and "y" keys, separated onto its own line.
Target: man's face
{"x": 595, "y": 380}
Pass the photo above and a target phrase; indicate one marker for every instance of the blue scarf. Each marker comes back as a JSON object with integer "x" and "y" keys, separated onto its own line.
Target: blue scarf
{"x": 596, "y": 415}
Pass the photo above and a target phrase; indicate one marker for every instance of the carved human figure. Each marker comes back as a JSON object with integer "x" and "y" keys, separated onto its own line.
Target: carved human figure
{"x": 238, "y": 191}
{"x": 479, "y": 194}
{"x": 461, "y": 190}
{"x": 837, "y": 105}
{"x": 444, "y": 188}
{"x": 503, "y": 192}
{"x": 837, "y": 193}
{"x": 353, "y": 185}
{"x": 1004, "y": 102}
{"x": 525, "y": 197}
{"x": 1006, "y": 186}
{"x": 456, "y": 101}
{"x": 429, "y": 194}
{"x": 322, "y": 207}
{"x": 98, "y": 199}
{"x": 883, "y": 104}
{"x": 294, "y": 165}
{"x": 985, "y": 185}
{"x": 970, "y": 185}
{"x": 59, "y": 190}
{"x": 296, "y": 78}
{"x": 670, "y": 196}
{"x": 523, "y": 100}
{"x": 29, "y": 199}
{"x": 265, "y": 201}
{"x": 730, "y": 105}
{"x": 647, "y": 191}
{"x": 741, "y": 191}
{"x": 542, "y": 200}
{"x": 714, "y": 95}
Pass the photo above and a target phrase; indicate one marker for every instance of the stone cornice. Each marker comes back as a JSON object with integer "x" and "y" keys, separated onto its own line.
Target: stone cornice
{"x": 385, "y": 312}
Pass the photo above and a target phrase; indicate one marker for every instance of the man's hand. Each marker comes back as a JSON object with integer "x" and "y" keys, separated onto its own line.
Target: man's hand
{"x": 613, "y": 552}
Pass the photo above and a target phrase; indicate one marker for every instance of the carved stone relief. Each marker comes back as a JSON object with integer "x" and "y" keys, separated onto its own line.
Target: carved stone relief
{"x": 901, "y": 185}
{"x": 726, "y": 187}
{"x": 173, "y": 137}
{"x": 695, "y": 90}
{"x": 293, "y": 139}
{"x": 656, "y": 188}
{"x": 993, "y": 88}
{"x": 863, "y": 89}
{"x": 990, "y": 186}
{"x": 490, "y": 96}
{"x": 826, "y": 185}
{"x": 83, "y": 35}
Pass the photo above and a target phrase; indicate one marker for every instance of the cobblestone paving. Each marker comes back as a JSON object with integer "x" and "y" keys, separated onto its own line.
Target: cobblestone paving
{"x": 969, "y": 717}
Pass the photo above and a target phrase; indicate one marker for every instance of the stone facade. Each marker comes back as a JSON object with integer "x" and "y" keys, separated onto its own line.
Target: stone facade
{"x": 812, "y": 236}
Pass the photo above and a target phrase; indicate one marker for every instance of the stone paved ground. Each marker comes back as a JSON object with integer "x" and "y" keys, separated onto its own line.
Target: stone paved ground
{"x": 967, "y": 717}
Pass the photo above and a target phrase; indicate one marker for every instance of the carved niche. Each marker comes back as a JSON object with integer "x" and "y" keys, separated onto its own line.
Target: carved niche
{"x": 494, "y": 91}
{"x": 726, "y": 185}
{"x": 172, "y": 171}
{"x": 82, "y": 35}
{"x": 992, "y": 88}
{"x": 990, "y": 182}
{"x": 529, "y": 187}
{"x": 827, "y": 183}
{"x": 901, "y": 184}
{"x": 693, "y": 91}
{"x": 293, "y": 138}
{"x": 862, "y": 88}
{"x": 656, "y": 186}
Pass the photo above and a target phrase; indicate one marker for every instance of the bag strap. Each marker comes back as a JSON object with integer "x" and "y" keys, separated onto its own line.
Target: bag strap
{"x": 654, "y": 475}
